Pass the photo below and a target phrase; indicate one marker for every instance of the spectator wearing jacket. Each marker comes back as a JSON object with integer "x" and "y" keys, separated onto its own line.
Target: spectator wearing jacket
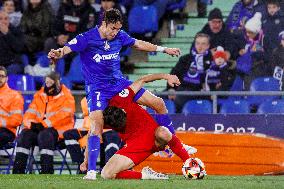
{"x": 277, "y": 59}
{"x": 219, "y": 35}
{"x": 191, "y": 70}
{"x": 49, "y": 115}
{"x": 11, "y": 45}
{"x": 273, "y": 24}
{"x": 14, "y": 15}
{"x": 11, "y": 110}
{"x": 36, "y": 25}
{"x": 219, "y": 77}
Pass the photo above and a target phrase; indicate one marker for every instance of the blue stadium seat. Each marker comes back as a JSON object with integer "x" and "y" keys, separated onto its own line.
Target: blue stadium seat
{"x": 263, "y": 84}
{"x": 235, "y": 106}
{"x": 271, "y": 106}
{"x": 75, "y": 73}
{"x": 21, "y": 82}
{"x": 143, "y": 19}
{"x": 176, "y": 5}
{"x": 197, "y": 107}
{"x": 238, "y": 85}
{"x": 169, "y": 104}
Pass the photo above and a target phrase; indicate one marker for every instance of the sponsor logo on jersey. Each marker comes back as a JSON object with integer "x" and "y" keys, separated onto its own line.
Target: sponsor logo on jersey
{"x": 73, "y": 41}
{"x": 124, "y": 93}
{"x": 98, "y": 58}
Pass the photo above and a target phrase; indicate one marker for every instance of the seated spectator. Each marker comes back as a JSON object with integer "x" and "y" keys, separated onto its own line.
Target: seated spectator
{"x": 191, "y": 69}
{"x": 219, "y": 35}
{"x": 219, "y": 77}
{"x": 109, "y": 4}
{"x": 12, "y": 105}
{"x": 50, "y": 114}
{"x": 277, "y": 59}
{"x": 242, "y": 11}
{"x": 111, "y": 140}
{"x": 14, "y": 16}
{"x": 11, "y": 46}
{"x": 36, "y": 25}
{"x": 74, "y": 17}
{"x": 273, "y": 24}
{"x": 252, "y": 55}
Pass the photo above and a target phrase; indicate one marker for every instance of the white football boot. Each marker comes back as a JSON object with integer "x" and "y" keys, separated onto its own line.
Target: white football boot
{"x": 148, "y": 173}
{"x": 91, "y": 175}
{"x": 190, "y": 150}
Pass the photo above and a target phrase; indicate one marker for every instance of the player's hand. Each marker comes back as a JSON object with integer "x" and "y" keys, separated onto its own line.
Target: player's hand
{"x": 173, "y": 51}
{"x": 173, "y": 80}
{"x": 54, "y": 55}
{"x": 84, "y": 166}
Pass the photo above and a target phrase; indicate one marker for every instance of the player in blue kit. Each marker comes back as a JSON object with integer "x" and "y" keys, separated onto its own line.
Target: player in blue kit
{"x": 99, "y": 52}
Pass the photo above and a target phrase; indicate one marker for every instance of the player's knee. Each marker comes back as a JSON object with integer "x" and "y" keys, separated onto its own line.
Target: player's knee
{"x": 159, "y": 105}
{"x": 107, "y": 174}
{"x": 163, "y": 135}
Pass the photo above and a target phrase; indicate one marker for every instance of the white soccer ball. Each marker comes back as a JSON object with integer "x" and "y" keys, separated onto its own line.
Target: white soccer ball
{"x": 193, "y": 168}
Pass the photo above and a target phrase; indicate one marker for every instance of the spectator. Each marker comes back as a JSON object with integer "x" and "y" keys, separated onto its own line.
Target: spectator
{"x": 202, "y": 8}
{"x": 11, "y": 45}
{"x": 14, "y": 16}
{"x": 219, "y": 35}
{"x": 191, "y": 69}
{"x": 242, "y": 11}
{"x": 219, "y": 77}
{"x": 49, "y": 115}
{"x": 111, "y": 140}
{"x": 252, "y": 56}
{"x": 74, "y": 17}
{"x": 277, "y": 59}
{"x": 36, "y": 25}
{"x": 109, "y": 4}
{"x": 11, "y": 107}
{"x": 273, "y": 24}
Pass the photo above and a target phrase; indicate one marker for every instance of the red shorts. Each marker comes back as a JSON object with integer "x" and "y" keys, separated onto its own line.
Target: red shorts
{"x": 140, "y": 147}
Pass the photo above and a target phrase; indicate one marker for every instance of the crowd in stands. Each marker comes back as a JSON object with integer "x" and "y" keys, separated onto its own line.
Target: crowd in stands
{"x": 251, "y": 36}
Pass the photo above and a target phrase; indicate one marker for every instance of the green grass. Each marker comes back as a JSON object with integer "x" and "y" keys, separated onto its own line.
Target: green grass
{"x": 175, "y": 182}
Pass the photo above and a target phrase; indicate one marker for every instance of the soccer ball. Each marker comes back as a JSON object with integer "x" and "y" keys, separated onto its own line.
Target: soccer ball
{"x": 193, "y": 168}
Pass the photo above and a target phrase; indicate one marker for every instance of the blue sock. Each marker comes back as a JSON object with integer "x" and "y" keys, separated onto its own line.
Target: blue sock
{"x": 165, "y": 120}
{"x": 93, "y": 152}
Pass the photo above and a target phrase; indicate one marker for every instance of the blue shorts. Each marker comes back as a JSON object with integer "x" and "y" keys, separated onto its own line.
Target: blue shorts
{"x": 98, "y": 97}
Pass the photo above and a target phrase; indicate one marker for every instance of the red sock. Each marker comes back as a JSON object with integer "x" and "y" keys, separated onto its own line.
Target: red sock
{"x": 176, "y": 146}
{"x": 129, "y": 174}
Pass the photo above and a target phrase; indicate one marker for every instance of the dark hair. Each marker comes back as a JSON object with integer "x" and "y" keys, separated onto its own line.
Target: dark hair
{"x": 114, "y": 117}
{"x": 112, "y": 16}
{"x": 2, "y": 68}
{"x": 274, "y": 2}
{"x": 202, "y": 35}
{"x": 54, "y": 76}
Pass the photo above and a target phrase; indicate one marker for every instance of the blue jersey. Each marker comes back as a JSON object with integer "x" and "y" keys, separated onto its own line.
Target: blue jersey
{"x": 100, "y": 57}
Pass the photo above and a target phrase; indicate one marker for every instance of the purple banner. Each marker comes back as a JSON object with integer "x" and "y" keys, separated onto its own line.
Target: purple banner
{"x": 271, "y": 125}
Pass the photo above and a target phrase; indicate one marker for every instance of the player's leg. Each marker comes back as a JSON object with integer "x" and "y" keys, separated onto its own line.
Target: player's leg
{"x": 156, "y": 103}
{"x": 116, "y": 165}
{"x": 163, "y": 136}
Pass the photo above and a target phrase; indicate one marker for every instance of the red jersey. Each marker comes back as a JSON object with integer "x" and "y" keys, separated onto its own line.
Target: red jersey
{"x": 138, "y": 120}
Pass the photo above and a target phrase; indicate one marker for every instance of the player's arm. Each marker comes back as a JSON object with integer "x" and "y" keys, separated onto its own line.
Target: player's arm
{"x": 149, "y": 47}
{"x": 139, "y": 83}
{"x": 55, "y": 54}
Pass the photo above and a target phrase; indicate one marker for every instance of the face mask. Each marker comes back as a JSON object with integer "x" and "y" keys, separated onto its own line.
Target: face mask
{"x": 53, "y": 90}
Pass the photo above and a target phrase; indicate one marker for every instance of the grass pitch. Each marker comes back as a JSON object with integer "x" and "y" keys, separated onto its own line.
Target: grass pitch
{"x": 175, "y": 182}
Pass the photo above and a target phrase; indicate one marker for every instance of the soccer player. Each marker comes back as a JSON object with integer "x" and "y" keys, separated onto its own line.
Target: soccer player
{"x": 141, "y": 134}
{"x": 99, "y": 51}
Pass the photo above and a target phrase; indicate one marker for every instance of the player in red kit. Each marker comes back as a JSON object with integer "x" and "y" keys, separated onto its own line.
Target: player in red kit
{"x": 141, "y": 134}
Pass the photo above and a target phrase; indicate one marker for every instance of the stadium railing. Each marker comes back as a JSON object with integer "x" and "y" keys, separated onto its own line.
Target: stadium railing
{"x": 214, "y": 94}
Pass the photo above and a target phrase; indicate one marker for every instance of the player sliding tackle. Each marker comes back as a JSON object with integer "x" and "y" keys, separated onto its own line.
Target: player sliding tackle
{"x": 141, "y": 134}
{"x": 99, "y": 52}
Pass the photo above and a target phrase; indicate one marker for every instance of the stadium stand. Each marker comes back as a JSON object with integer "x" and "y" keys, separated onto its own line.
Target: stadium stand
{"x": 271, "y": 106}
{"x": 235, "y": 106}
